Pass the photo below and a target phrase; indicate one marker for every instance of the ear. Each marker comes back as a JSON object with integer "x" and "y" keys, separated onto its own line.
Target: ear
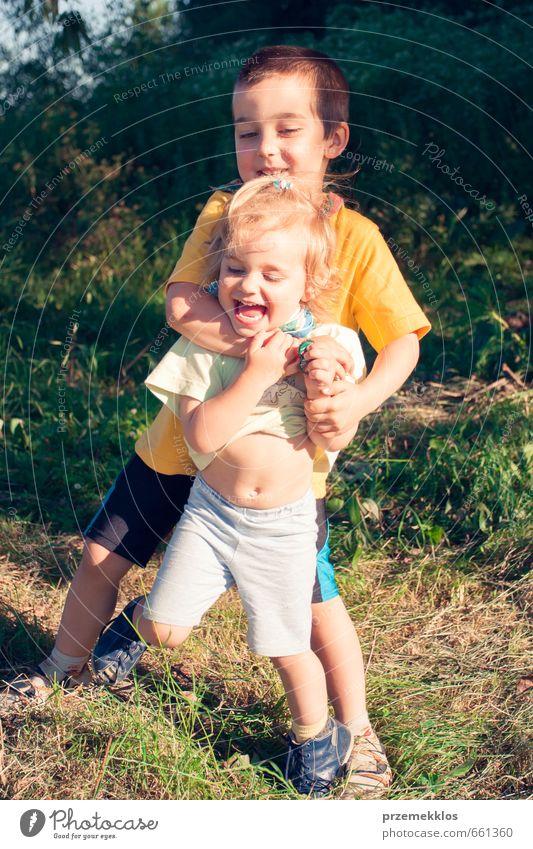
{"x": 310, "y": 292}
{"x": 337, "y": 142}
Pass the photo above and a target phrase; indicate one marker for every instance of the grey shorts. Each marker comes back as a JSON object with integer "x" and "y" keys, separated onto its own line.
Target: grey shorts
{"x": 269, "y": 555}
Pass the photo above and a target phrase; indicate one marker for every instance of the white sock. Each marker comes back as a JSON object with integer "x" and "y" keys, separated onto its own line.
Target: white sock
{"x": 58, "y": 666}
{"x": 359, "y": 725}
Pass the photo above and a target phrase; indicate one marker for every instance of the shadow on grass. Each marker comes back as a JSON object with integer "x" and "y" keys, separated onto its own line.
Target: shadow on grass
{"x": 235, "y": 735}
{"x": 23, "y": 642}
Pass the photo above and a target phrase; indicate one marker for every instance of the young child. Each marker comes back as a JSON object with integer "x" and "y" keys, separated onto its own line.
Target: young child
{"x": 290, "y": 110}
{"x": 251, "y": 518}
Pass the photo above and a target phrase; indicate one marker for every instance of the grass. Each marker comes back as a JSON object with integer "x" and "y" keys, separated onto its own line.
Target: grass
{"x": 431, "y": 526}
{"x": 443, "y": 625}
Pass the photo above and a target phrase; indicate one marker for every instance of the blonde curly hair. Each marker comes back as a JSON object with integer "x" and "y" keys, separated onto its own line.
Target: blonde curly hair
{"x": 265, "y": 205}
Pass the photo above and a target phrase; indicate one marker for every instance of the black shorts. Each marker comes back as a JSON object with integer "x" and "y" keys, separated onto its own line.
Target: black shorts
{"x": 143, "y": 506}
{"x": 139, "y": 511}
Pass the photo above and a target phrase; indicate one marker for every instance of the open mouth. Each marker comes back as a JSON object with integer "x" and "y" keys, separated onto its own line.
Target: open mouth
{"x": 249, "y": 313}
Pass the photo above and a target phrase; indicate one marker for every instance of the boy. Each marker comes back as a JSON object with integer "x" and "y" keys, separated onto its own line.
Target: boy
{"x": 290, "y": 111}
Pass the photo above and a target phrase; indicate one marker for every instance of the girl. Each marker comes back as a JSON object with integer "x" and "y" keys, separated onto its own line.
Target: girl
{"x": 251, "y": 517}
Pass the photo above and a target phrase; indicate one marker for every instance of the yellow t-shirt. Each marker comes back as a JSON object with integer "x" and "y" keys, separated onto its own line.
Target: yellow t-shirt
{"x": 375, "y": 299}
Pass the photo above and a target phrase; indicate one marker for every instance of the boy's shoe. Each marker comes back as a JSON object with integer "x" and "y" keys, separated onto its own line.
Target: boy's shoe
{"x": 368, "y": 774}
{"x": 313, "y": 766}
{"x": 35, "y": 686}
{"x": 119, "y": 648}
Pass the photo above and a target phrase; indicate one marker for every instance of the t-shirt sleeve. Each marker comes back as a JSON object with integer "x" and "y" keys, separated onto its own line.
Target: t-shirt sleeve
{"x": 191, "y": 267}
{"x": 382, "y": 304}
{"x": 187, "y": 370}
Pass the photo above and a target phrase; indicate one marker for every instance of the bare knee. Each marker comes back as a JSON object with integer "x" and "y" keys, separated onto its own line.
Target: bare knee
{"x": 161, "y": 634}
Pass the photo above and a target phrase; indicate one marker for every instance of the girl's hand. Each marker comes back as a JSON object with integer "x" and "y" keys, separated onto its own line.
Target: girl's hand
{"x": 320, "y": 372}
{"x": 268, "y": 355}
{"x": 327, "y": 348}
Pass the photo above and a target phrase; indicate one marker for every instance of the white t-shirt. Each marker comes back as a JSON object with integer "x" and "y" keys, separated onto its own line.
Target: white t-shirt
{"x": 187, "y": 369}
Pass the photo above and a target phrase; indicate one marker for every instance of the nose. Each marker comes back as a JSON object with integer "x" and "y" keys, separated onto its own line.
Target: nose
{"x": 267, "y": 146}
{"x": 249, "y": 284}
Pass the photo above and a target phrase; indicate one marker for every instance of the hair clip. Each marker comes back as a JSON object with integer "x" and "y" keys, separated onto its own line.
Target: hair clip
{"x": 327, "y": 207}
{"x": 212, "y": 288}
{"x": 282, "y": 185}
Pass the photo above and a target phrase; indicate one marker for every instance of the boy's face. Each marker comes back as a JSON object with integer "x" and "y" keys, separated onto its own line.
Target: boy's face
{"x": 262, "y": 283}
{"x": 277, "y": 131}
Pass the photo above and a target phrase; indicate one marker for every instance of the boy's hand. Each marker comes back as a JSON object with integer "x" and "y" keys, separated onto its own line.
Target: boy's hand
{"x": 338, "y": 412}
{"x": 268, "y": 355}
{"x": 349, "y": 403}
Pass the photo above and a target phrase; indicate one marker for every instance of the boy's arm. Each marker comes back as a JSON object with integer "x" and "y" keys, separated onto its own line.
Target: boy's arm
{"x": 348, "y": 403}
{"x": 209, "y": 425}
{"x": 198, "y": 316}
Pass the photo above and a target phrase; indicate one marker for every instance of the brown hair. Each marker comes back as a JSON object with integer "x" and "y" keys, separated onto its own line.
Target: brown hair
{"x": 331, "y": 86}
{"x": 260, "y": 205}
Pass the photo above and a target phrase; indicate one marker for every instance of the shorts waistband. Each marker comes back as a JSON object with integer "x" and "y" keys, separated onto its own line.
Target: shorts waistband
{"x": 254, "y": 512}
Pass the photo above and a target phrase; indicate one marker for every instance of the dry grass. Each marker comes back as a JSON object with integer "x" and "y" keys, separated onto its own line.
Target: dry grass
{"x": 445, "y": 632}
{"x": 447, "y": 645}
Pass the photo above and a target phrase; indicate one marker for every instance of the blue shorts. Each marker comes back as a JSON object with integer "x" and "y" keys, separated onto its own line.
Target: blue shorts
{"x": 142, "y": 507}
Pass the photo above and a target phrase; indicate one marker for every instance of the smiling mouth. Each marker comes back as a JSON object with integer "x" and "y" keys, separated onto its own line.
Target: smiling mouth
{"x": 248, "y": 313}
{"x": 273, "y": 172}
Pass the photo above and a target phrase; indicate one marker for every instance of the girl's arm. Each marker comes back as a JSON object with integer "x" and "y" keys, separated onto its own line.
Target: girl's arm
{"x": 209, "y": 425}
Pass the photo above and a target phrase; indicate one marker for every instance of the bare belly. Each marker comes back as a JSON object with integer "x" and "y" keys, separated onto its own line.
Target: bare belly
{"x": 262, "y": 471}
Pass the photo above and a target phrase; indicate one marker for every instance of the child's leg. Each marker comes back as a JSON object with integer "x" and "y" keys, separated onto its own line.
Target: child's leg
{"x": 89, "y": 604}
{"x": 139, "y": 510}
{"x": 91, "y": 599}
{"x": 304, "y": 683}
{"x": 165, "y": 636}
{"x": 189, "y": 581}
{"x": 333, "y": 637}
{"x": 319, "y": 746}
{"x": 335, "y": 642}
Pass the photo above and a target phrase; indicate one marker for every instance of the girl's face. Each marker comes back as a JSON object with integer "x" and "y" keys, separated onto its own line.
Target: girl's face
{"x": 263, "y": 282}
